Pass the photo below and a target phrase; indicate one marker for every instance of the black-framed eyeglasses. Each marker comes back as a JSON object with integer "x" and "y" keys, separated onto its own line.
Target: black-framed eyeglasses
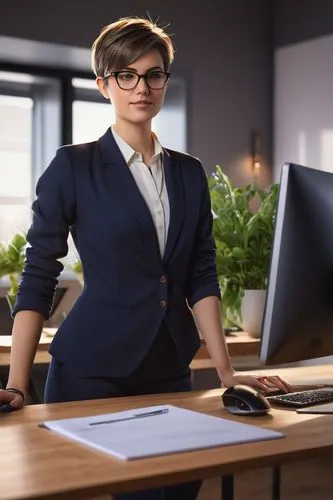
{"x": 128, "y": 80}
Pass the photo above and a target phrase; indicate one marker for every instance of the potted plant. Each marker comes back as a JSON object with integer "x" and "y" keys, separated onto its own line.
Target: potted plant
{"x": 12, "y": 259}
{"x": 243, "y": 236}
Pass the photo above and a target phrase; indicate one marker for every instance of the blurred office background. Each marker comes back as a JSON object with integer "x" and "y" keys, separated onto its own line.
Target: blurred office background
{"x": 241, "y": 66}
{"x": 220, "y": 90}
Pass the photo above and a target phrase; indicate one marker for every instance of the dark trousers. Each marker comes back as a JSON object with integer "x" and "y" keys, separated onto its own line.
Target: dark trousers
{"x": 159, "y": 372}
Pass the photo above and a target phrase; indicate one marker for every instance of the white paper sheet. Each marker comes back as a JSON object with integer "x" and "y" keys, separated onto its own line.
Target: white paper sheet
{"x": 172, "y": 431}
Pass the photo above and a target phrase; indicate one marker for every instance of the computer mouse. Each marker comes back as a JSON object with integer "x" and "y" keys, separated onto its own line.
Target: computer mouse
{"x": 245, "y": 400}
{"x": 6, "y": 408}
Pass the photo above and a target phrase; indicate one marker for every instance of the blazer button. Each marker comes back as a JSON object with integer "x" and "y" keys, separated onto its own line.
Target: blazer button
{"x": 163, "y": 279}
{"x": 163, "y": 303}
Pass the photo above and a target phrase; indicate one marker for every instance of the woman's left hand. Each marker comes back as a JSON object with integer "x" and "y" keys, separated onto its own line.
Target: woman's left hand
{"x": 264, "y": 383}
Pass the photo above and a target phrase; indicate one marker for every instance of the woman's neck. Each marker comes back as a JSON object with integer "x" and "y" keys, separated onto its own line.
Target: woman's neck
{"x": 139, "y": 137}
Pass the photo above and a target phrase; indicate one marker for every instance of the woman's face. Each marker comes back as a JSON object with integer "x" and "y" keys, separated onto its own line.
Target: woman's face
{"x": 140, "y": 104}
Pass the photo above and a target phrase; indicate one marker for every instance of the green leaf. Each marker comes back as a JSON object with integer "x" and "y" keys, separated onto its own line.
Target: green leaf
{"x": 243, "y": 238}
{"x": 12, "y": 260}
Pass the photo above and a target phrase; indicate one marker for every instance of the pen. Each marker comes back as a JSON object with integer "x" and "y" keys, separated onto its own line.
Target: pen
{"x": 132, "y": 417}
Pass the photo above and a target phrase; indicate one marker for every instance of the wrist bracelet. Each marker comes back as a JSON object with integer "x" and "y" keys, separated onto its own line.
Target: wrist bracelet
{"x": 15, "y": 391}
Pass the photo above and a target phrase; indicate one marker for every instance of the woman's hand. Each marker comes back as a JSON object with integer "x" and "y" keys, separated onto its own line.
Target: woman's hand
{"x": 10, "y": 401}
{"x": 262, "y": 382}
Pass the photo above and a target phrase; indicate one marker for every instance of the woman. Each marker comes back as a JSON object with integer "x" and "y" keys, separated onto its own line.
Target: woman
{"x": 140, "y": 218}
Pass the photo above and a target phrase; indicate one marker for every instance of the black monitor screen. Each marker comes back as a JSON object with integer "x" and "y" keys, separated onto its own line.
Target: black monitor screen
{"x": 298, "y": 318}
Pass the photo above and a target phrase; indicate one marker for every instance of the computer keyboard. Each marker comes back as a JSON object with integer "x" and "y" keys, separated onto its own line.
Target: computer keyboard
{"x": 303, "y": 398}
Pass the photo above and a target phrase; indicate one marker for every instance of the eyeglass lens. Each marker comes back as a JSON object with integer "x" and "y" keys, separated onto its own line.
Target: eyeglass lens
{"x": 154, "y": 79}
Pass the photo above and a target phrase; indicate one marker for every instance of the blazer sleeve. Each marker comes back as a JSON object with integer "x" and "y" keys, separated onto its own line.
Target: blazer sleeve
{"x": 202, "y": 275}
{"x": 53, "y": 213}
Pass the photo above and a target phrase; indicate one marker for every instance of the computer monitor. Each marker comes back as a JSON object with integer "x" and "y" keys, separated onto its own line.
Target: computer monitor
{"x": 298, "y": 317}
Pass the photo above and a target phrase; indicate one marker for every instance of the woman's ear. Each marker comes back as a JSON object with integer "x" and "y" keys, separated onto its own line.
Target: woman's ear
{"x": 103, "y": 87}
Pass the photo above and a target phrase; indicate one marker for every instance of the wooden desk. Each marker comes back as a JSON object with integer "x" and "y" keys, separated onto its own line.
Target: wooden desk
{"x": 42, "y": 355}
{"x": 242, "y": 345}
{"x": 37, "y": 464}
{"x": 239, "y": 345}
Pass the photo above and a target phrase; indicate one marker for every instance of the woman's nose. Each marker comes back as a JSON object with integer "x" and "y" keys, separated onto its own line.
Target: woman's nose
{"x": 142, "y": 86}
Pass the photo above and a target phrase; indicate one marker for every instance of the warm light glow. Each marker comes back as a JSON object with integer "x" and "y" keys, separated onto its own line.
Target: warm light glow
{"x": 256, "y": 152}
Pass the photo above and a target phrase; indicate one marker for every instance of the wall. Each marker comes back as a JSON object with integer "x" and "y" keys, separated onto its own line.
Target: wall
{"x": 303, "y": 77}
{"x": 299, "y": 20}
{"x": 303, "y": 96}
{"x": 303, "y": 118}
{"x": 224, "y": 49}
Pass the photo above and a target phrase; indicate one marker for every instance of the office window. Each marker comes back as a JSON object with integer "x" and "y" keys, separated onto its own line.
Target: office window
{"x": 90, "y": 120}
{"x": 15, "y": 164}
{"x": 38, "y": 113}
{"x": 170, "y": 124}
{"x": 92, "y": 114}
{"x": 29, "y": 135}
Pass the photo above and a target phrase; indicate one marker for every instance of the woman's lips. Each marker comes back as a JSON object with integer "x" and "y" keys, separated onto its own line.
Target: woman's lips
{"x": 141, "y": 104}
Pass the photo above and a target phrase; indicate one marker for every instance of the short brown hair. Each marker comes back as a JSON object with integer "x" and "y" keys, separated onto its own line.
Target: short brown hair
{"x": 124, "y": 41}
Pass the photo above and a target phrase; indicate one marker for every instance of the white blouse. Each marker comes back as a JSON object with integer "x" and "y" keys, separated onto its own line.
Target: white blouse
{"x": 151, "y": 184}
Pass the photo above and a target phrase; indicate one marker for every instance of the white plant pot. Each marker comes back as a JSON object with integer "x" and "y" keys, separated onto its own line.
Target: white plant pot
{"x": 253, "y": 305}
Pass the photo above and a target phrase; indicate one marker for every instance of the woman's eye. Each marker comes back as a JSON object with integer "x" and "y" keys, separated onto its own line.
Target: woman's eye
{"x": 155, "y": 75}
{"x": 126, "y": 76}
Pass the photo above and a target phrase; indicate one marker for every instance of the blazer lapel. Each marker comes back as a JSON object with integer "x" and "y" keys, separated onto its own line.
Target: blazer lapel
{"x": 128, "y": 190}
{"x": 173, "y": 179}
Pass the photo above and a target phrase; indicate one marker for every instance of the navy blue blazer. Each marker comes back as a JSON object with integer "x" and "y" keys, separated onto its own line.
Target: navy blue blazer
{"x": 129, "y": 289}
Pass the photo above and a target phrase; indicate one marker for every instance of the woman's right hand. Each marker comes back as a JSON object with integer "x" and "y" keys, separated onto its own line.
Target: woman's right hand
{"x": 10, "y": 401}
